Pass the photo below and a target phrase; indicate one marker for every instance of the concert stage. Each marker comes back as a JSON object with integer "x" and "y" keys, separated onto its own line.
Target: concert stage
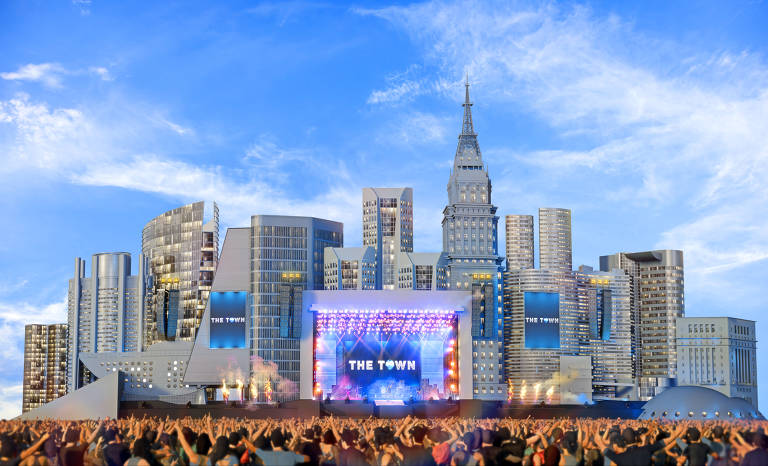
{"x": 361, "y": 409}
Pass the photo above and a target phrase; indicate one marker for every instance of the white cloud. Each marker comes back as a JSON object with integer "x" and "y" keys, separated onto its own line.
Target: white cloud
{"x": 46, "y": 73}
{"x": 85, "y": 146}
{"x": 688, "y": 138}
{"x": 101, "y": 72}
{"x": 10, "y": 401}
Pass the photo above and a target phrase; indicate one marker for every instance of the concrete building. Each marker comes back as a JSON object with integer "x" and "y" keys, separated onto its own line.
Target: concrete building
{"x": 470, "y": 243}
{"x": 604, "y": 298}
{"x": 542, "y": 321}
{"x": 350, "y": 268}
{"x": 657, "y": 301}
{"x": 287, "y": 258}
{"x": 45, "y": 364}
{"x": 718, "y": 353}
{"x": 519, "y": 235}
{"x": 555, "y": 248}
{"x": 105, "y": 311}
{"x": 182, "y": 246}
{"x": 388, "y": 229}
{"x": 422, "y": 271}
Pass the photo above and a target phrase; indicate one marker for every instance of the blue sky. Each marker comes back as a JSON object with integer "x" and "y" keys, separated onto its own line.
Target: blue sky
{"x": 647, "y": 119}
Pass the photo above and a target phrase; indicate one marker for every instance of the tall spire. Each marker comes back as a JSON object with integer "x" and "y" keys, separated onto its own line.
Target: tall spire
{"x": 468, "y": 151}
{"x": 467, "y": 128}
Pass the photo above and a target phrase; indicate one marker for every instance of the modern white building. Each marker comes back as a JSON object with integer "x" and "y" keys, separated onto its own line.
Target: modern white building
{"x": 519, "y": 240}
{"x": 105, "y": 311}
{"x": 388, "y": 229}
{"x": 422, "y": 271}
{"x": 555, "y": 247}
{"x": 182, "y": 246}
{"x": 656, "y": 280}
{"x": 718, "y": 353}
{"x": 604, "y": 296}
{"x": 287, "y": 257}
{"x": 349, "y": 268}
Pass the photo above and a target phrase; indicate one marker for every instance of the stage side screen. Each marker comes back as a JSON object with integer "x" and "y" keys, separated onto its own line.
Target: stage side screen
{"x": 228, "y": 311}
{"x": 542, "y": 320}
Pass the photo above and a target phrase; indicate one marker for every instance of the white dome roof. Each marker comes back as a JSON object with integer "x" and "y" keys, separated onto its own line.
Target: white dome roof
{"x": 697, "y": 403}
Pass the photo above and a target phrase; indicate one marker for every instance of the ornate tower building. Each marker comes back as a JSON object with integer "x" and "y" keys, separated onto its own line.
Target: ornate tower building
{"x": 470, "y": 242}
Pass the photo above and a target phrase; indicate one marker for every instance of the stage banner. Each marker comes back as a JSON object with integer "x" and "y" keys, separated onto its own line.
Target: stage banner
{"x": 228, "y": 311}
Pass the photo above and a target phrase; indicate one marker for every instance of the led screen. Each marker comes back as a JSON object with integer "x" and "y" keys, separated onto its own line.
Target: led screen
{"x": 228, "y": 310}
{"x": 542, "y": 320}
{"x": 381, "y": 368}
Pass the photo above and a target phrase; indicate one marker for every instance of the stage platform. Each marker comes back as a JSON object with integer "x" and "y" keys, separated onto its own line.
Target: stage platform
{"x": 360, "y": 410}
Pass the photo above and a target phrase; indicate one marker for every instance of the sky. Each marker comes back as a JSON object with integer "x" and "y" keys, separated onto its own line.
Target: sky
{"x": 647, "y": 119}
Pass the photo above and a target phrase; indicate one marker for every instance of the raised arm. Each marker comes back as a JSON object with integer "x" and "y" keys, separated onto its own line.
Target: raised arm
{"x": 193, "y": 457}
{"x": 31, "y": 450}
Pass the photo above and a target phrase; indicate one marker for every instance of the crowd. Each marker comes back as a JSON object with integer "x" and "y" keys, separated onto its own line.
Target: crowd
{"x": 408, "y": 441}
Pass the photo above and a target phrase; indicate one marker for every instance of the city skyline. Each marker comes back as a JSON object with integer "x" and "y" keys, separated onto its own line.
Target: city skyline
{"x": 67, "y": 170}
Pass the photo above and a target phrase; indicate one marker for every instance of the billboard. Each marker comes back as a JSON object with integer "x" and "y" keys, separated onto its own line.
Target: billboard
{"x": 542, "y": 320}
{"x": 381, "y": 368}
{"x": 228, "y": 311}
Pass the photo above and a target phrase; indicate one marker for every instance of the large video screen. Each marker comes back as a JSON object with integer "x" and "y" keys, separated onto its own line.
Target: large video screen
{"x": 542, "y": 320}
{"x": 381, "y": 367}
{"x": 228, "y": 310}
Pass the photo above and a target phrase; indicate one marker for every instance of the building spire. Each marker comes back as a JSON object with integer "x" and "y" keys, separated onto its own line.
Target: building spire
{"x": 467, "y": 127}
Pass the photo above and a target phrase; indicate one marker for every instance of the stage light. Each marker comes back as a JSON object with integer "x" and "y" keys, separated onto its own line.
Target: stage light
{"x": 450, "y": 371}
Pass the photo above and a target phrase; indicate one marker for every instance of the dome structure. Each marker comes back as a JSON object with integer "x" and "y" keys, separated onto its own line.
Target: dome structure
{"x": 697, "y": 403}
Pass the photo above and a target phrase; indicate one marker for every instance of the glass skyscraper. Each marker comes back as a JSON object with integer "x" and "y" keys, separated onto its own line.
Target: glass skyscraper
{"x": 182, "y": 246}
{"x": 657, "y": 301}
{"x": 105, "y": 311}
{"x": 519, "y": 235}
{"x": 45, "y": 364}
{"x": 388, "y": 229}
{"x": 555, "y": 248}
{"x": 287, "y": 257}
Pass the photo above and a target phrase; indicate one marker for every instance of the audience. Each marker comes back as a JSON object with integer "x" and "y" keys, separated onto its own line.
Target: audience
{"x": 381, "y": 442}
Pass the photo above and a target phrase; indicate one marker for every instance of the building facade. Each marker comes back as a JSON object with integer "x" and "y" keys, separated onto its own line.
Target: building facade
{"x": 350, "y": 268}
{"x": 519, "y": 240}
{"x": 422, "y": 271}
{"x": 287, "y": 257}
{"x": 182, "y": 246}
{"x": 718, "y": 353}
{"x": 388, "y": 229}
{"x": 473, "y": 264}
{"x": 555, "y": 248}
{"x": 105, "y": 311}
{"x": 657, "y": 301}
{"x": 604, "y": 297}
{"x": 45, "y": 364}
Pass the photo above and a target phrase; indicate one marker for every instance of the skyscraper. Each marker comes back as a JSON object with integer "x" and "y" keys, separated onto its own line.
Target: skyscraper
{"x": 519, "y": 235}
{"x": 105, "y": 311}
{"x": 555, "y": 250}
{"x": 45, "y": 364}
{"x": 470, "y": 243}
{"x": 388, "y": 228}
{"x": 287, "y": 257}
{"x": 604, "y": 298}
{"x": 657, "y": 301}
{"x": 718, "y": 353}
{"x": 182, "y": 246}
